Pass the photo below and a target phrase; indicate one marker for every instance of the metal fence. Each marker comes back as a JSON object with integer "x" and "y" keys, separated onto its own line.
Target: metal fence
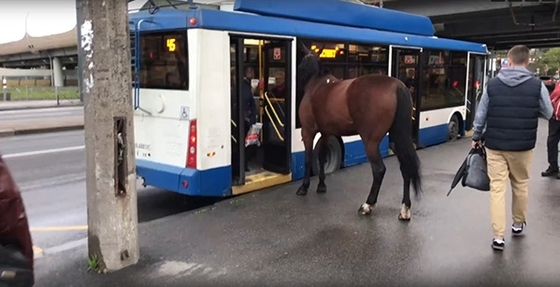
{"x": 37, "y": 93}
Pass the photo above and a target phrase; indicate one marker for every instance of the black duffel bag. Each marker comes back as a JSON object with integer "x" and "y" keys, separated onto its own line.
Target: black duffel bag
{"x": 14, "y": 268}
{"x": 476, "y": 171}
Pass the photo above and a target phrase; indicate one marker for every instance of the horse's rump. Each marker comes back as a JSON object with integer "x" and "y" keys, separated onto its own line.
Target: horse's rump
{"x": 373, "y": 99}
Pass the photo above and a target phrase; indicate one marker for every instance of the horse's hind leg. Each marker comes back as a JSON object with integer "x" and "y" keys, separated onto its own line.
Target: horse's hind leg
{"x": 404, "y": 214}
{"x": 323, "y": 151}
{"x": 308, "y": 143}
{"x": 378, "y": 170}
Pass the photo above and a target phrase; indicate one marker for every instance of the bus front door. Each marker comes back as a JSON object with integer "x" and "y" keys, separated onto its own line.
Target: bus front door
{"x": 405, "y": 66}
{"x": 276, "y": 103}
{"x": 475, "y": 86}
{"x": 237, "y": 124}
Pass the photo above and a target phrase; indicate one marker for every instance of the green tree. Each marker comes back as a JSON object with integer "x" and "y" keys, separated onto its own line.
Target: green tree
{"x": 550, "y": 61}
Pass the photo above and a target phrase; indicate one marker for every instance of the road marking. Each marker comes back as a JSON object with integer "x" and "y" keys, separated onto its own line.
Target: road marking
{"x": 45, "y": 110}
{"x": 66, "y": 246}
{"x": 59, "y": 228}
{"x": 37, "y": 252}
{"x": 37, "y": 115}
{"x": 40, "y": 152}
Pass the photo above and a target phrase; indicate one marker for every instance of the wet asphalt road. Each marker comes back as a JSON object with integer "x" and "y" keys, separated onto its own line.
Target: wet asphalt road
{"x": 50, "y": 171}
{"x": 275, "y": 238}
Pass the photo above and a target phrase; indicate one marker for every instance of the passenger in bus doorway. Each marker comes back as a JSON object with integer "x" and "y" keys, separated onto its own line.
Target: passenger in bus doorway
{"x": 249, "y": 109}
{"x": 279, "y": 91}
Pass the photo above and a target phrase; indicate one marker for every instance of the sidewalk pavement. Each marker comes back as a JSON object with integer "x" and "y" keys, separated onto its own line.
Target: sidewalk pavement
{"x": 32, "y": 126}
{"x": 21, "y": 105}
{"x": 275, "y": 238}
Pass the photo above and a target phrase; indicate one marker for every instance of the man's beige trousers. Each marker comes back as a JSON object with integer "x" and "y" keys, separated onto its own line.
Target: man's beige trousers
{"x": 502, "y": 165}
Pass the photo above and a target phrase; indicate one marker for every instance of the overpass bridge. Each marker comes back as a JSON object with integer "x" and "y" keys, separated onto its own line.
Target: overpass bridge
{"x": 46, "y": 35}
{"x": 498, "y": 24}
{"x": 49, "y": 43}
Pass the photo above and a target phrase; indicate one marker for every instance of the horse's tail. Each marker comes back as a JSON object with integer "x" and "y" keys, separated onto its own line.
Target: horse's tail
{"x": 401, "y": 135}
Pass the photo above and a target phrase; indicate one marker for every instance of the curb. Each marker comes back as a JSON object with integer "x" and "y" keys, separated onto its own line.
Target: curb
{"x": 40, "y": 130}
{"x": 7, "y": 133}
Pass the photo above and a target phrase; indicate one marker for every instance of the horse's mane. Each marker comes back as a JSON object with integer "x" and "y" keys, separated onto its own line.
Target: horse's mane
{"x": 311, "y": 67}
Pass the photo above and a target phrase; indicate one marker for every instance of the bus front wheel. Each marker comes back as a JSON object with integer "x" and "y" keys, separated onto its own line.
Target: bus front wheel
{"x": 334, "y": 157}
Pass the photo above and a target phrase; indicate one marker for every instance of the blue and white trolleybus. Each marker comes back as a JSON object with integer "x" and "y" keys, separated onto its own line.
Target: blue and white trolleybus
{"x": 190, "y": 66}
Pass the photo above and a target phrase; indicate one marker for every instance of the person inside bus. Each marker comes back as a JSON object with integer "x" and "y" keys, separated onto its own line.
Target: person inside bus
{"x": 249, "y": 109}
{"x": 279, "y": 90}
{"x": 410, "y": 80}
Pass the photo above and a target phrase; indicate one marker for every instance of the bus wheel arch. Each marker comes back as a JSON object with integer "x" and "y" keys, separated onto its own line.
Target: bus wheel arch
{"x": 335, "y": 156}
{"x": 454, "y": 127}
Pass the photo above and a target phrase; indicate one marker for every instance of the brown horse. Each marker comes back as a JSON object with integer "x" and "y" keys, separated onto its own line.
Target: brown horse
{"x": 370, "y": 106}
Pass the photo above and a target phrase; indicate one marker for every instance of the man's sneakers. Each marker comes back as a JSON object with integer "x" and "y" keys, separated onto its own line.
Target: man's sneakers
{"x": 550, "y": 171}
{"x": 498, "y": 244}
{"x": 517, "y": 228}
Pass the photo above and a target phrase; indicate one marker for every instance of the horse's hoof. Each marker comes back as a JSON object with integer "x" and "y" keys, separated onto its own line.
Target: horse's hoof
{"x": 402, "y": 218}
{"x": 404, "y": 215}
{"x": 301, "y": 191}
{"x": 321, "y": 189}
{"x": 365, "y": 209}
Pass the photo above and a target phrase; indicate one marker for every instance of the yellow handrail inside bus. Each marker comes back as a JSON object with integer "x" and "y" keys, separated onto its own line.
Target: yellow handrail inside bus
{"x": 274, "y": 124}
{"x": 273, "y": 110}
{"x": 235, "y": 125}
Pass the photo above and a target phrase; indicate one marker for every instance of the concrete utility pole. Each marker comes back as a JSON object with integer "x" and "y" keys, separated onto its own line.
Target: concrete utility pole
{"x": 109, "y": 133}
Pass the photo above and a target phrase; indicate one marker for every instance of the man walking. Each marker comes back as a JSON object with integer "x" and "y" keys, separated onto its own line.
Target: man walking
{"x": 509, "y": 108}
{"x": 553, "y": 135}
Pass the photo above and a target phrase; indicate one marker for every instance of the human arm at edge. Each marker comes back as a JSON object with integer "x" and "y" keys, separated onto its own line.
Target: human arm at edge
{"x": 545, "y": 103}
{"x": 480, "y": 118}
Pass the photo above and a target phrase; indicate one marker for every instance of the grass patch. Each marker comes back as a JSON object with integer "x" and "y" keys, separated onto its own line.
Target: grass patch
{"x": 94, "y": 263}
{"x": 42, "y": 93}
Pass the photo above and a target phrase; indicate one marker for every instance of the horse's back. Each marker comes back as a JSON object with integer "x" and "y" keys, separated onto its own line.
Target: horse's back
{"x": 342, "y": 106}
{"x": 376, "y": 90}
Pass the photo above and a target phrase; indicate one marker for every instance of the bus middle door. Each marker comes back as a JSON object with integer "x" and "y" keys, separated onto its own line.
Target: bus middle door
{"x": 276, "y": 103}
{"x": 406, "y": 67}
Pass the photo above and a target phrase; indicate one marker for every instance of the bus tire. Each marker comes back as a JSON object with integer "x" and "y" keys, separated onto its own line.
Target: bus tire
{"x": 334, "y": 157}
{"x": 453, "y": 129}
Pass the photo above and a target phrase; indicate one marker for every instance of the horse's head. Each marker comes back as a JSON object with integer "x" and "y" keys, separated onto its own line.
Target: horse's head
{"x": 310, "y": 65}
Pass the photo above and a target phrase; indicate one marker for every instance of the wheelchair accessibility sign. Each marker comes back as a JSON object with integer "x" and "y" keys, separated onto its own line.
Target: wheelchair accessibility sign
{"x": 184, "y": 115}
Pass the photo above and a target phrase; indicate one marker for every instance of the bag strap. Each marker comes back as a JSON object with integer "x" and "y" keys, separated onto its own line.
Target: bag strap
{"x": 483, "y": 151}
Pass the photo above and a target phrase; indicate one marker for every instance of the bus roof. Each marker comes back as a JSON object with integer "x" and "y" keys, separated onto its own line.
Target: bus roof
{"x": 243, "y": 22}
{"x": 342, "y": 13}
